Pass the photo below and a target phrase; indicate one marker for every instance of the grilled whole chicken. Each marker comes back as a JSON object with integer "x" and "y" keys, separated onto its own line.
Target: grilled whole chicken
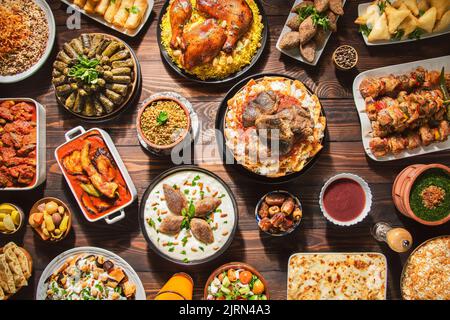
{"x": 236, "y": 13}
{"x": 180, "y": 12}
{"x": 202, "y": 42}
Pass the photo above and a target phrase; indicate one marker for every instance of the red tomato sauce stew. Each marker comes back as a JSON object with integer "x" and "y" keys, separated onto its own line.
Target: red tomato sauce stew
{"x": 93, "y": 175}
{"x": 18, "y": 140}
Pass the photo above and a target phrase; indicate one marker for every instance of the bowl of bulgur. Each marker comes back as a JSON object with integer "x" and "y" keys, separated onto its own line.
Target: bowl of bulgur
{"x": 26, "y": 38}
{"x": 162, "y": 123}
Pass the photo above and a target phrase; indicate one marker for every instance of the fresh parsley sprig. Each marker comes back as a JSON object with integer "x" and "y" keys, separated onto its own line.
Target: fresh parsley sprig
{"x": 85, "y": 70}
{"x": 162, "y": 118}
{"x": 319, "y": 19}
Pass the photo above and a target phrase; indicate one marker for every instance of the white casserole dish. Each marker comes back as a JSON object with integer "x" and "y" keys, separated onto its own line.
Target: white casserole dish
{"x": 41, "y": 164}
{"x": 74, "y": 134}
{"x": 306, "y": 254}
{"x": 366, "y": 127}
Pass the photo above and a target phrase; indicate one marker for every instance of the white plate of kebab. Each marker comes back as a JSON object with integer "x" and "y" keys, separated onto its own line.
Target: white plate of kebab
{"x": 308, "y": 27}
{"x": 404, "y": 109}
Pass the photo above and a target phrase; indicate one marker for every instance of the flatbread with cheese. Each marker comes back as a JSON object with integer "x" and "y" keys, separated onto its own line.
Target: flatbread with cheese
{"x": 6, "y": 276}
{"x": 14, "y": 265}
{"x": 23, "y": 260}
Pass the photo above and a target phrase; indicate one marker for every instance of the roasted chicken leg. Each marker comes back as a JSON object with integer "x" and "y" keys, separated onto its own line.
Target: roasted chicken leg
{"x": 180, "y": 12}
{"x": 202, "y": 42}
{"x": 236, "y": 13}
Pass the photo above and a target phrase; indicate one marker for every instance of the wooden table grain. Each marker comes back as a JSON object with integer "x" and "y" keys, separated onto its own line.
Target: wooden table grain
{"x": 343, "y": 153}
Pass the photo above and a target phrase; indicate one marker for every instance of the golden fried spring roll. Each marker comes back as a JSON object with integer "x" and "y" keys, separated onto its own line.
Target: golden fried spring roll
{"x": 90, "y": 5}
{"x": 136, "y": 13}
{"x": 79, "y": 3}
{"x": 110, "y": 13}
{"x": 123, "y": 13}
{"x": 101, "y": 7}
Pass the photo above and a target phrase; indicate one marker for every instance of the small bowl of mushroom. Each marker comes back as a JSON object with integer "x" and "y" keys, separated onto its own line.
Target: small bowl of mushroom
{"x": 51, "y": 219}
{"x": 278, "y": 213}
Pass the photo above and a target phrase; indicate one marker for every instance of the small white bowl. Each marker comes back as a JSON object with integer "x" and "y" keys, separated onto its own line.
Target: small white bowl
{"x": 367, "y": 193}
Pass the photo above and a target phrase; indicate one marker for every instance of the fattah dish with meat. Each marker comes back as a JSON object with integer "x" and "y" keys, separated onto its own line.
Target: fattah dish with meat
{"x": 274, "y": 126}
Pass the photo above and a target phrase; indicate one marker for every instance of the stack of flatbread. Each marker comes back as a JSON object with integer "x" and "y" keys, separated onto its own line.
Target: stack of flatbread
{"x": 15, "y": 270}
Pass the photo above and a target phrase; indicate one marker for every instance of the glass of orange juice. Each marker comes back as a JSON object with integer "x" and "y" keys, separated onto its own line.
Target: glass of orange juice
{"x": 179, "y": 287}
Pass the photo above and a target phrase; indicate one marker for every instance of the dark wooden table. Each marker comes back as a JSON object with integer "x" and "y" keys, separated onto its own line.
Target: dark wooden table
{"x": 343, "y": 153}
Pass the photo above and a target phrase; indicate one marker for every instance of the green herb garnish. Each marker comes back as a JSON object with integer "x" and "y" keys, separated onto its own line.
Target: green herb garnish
{"x": 365, "y": 30}
{"x": 133, "y": 9}
{"x": 305, "y": 12}
{"x": 162, "y": 118}
{"x": 318, "y": 18}
{"x": 171, "y": 249}
{"x": 382, "y": 6}
{"x": 398, "y": 35}
{"x": 85, "y": 70}
{"x": 151, "y": 223}
{"x": 416, "y": 34}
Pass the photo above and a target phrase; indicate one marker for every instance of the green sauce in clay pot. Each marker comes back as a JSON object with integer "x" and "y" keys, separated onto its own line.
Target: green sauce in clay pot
{"x": 430, "y": 195}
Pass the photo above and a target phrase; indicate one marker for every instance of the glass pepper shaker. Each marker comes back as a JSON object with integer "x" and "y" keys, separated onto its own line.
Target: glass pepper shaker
{"x": 398, "y": 239}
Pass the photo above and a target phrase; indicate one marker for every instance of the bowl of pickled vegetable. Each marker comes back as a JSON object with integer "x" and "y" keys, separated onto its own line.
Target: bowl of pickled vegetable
{"x": 11, "y": 218}
{"x": 51, "y": 219}
{"x": 236, "y": 281}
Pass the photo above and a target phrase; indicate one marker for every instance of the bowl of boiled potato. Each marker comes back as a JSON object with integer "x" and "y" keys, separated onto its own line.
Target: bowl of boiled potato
{"x": 51, "y": 219}
{"x": 11, "y": 218}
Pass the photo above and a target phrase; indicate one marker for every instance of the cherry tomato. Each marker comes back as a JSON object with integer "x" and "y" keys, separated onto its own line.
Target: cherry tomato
{"x": 258, "y": 287}
{"x": 231, "y": 275}
{"x": 245, "y": 277}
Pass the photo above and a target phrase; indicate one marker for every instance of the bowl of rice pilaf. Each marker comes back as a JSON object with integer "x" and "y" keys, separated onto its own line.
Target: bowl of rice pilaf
{"x": 27, "y": 34}
{"x": 162, "y": 123}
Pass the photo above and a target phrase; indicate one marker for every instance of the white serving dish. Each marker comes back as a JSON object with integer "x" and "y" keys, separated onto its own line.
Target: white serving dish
{"x": 51, "y": 40}
{"x": 367, "y": 192}
{"x": 58, "y": 261}
{"x": 74, "y": 134}
{"x": 366, "y": 128}
{"x": 41, "y": 147}
{"x": 339, "y": 253}
{"x": 295, "y": 53}
{"x": 362, "y": 9}
{"x": 100, "y": 19}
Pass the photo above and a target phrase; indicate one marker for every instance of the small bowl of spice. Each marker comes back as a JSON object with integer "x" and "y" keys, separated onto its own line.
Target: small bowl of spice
{"x": 51, "y": 219}
{"x": 278, "y": 213}
{"x": 345, "y": 57}
{"x": 162, "y": 123}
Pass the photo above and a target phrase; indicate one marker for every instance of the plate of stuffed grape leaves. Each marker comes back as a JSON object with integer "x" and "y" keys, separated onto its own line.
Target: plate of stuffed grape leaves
{"x": 96, "y": 76}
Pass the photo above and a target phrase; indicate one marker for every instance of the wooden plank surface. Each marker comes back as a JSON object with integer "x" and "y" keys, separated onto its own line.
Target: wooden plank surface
{"x": 343, "y": 153}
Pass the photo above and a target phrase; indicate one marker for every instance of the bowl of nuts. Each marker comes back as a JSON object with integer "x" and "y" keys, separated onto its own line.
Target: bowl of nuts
{"x": 345, "y": 57}
{"x": 51, "y": 219}
{"x": 278, "y": 213}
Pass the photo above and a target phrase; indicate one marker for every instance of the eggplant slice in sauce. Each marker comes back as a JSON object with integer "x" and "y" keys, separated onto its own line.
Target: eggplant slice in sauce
{"x": 93, "y": 75}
